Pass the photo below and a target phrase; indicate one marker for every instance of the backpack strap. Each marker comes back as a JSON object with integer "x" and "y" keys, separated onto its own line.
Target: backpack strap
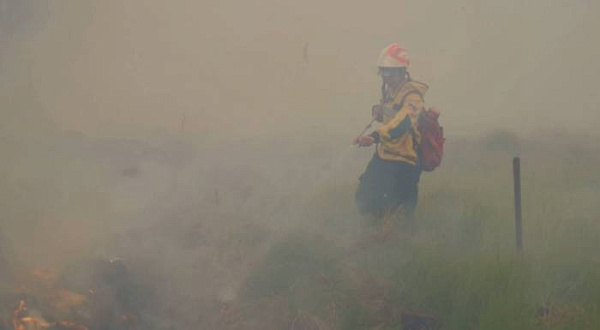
{"x": 416, "y": 146}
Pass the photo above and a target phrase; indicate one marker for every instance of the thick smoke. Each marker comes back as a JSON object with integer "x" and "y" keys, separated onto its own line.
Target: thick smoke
{"x": 177, "y": 134}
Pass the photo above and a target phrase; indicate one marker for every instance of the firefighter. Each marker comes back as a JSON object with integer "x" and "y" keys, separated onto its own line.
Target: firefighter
{"x": 388, "y": 189}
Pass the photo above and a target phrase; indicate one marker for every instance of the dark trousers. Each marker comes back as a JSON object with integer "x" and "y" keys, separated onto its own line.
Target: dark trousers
{"x": 387, "y": 185}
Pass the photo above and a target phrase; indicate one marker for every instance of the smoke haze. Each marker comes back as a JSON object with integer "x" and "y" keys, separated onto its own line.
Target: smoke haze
{"x": 238, "y": 68}
{"x": 178, "y": 133}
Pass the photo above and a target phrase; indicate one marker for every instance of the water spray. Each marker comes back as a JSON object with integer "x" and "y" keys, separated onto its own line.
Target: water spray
{"x": 366, "y": 129}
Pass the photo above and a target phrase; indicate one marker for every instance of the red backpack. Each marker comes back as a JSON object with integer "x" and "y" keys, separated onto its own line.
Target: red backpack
{"x": 432, "y": 140}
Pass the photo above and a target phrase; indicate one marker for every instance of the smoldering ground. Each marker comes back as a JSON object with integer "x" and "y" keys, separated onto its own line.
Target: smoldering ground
{"x": 212, "y": 235}
{"x": 207, "y": 144}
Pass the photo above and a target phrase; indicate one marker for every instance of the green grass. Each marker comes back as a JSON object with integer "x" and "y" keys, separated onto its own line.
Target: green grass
{"x": 326, "y": 271}
{"x": 462, "y": 266}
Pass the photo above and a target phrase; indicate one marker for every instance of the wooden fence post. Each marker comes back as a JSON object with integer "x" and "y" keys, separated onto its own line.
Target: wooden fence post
{"x": 518, "y": 219}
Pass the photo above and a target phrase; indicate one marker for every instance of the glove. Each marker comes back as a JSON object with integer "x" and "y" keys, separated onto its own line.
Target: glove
{"x": 364, "y": 141}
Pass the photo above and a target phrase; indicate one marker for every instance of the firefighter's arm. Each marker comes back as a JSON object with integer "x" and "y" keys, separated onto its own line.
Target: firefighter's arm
{"x": 403, "y": 121}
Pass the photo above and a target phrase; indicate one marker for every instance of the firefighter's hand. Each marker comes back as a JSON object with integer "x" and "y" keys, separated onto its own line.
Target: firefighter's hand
{"x": 364, "y": 141}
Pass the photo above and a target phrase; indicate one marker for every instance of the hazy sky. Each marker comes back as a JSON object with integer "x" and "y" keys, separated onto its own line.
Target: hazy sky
{"x": 125, "y": 68}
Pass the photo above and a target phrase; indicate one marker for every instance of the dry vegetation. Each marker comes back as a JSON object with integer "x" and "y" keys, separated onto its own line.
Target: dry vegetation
{"x": 278, "y": 245}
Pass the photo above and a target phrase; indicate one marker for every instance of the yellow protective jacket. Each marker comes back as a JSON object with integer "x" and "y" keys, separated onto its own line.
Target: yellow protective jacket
{"x": 398, "y": 132}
